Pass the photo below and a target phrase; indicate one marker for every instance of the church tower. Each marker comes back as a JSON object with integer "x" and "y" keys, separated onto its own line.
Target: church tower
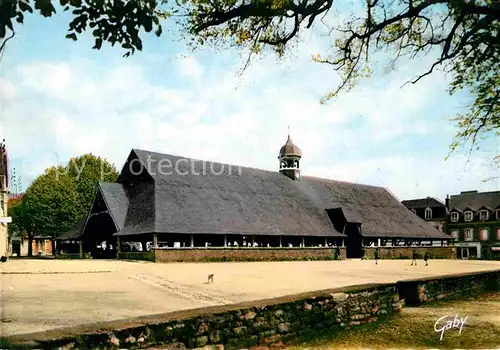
{"x": 289, "y": 158}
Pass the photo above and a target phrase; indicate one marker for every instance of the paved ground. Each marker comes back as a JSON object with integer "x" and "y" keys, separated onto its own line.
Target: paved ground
{"x": 43, "y": 294}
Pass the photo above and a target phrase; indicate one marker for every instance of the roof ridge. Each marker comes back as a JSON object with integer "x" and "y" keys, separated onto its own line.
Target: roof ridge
{"x": 260, "y": 169}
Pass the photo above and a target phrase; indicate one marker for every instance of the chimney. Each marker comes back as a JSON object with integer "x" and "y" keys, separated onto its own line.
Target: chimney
{"x": 447, "y": 202}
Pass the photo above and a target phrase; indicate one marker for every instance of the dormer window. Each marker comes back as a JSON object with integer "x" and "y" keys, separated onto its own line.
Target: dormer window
{"x": 454, "y": 216}
{"x": 483, "y": 215}
{"x": 428, "y": 213}
{"x": 468, "y": 216}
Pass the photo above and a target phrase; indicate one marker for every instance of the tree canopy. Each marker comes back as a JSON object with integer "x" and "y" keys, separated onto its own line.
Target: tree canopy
{"x": 86, "y": 171}
{"x": 59, "y": 198}
{"x": 465, "y": 33}
{"x": 51, "y": 202}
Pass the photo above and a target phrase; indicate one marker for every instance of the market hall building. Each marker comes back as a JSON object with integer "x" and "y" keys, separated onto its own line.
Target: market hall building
{"x": 164, "y": 201}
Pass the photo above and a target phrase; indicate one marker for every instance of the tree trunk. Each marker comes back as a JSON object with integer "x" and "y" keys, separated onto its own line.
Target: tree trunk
{"x": 30, "y": 244}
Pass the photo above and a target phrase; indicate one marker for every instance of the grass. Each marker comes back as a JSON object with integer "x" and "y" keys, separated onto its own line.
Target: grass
{"x": 414, "y": 328}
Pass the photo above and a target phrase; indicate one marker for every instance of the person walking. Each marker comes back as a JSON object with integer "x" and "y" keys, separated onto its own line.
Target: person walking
{"x": 414, "y": 258}
{"x": 426, "y": 257}
{"x": 376, "y": 254}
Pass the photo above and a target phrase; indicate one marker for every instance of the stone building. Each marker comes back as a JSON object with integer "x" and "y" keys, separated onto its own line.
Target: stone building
{"x": 429, "y": 209}
{"x": 474, "y": 222}
{"x": 4, "y": 192}
{"x": 162, "y": 200}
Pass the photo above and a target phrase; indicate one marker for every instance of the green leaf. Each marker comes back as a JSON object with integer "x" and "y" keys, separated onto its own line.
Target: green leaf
{"x": 71, "y": 36}
{"x": 98, "y": 43}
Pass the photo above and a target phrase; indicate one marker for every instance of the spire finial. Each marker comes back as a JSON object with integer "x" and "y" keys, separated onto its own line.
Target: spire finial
{"x": 288, "y": 130}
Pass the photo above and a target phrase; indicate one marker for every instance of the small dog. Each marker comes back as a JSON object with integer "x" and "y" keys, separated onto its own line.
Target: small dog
{"x": 210, "y": 278}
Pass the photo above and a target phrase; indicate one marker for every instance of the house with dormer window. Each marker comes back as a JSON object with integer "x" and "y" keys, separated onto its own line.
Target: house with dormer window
{"x": 474, "y": 222}
{"x": 429, "y": 209}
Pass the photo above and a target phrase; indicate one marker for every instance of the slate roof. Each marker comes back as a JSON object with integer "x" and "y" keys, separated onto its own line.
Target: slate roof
{"x": 73, "y": 234}
{"x": 244, "y": 200}
{"x": 428, "y": 202}
{"x": 475, "y": 200}
{"x": 116, "y": 199}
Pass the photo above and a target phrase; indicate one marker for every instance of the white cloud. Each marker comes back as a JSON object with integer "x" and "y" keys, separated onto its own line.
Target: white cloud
{"x": 189, "y": 66}
{"x": 109, "y": 109}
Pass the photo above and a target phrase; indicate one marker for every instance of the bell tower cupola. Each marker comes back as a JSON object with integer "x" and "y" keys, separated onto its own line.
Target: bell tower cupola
{"x": 289, "y": 158}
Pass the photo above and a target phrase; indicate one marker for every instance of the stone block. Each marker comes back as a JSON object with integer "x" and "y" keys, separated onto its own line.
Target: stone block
{"x": 250, "y": 315}
{"x": 201, "y": 341}
{"x": 174, "y": 346}
{"x": 283, "y": 327}
{"x": 240, "y": 330}
{"x": 339, "y": 297}
{"x": 272, "y": 339}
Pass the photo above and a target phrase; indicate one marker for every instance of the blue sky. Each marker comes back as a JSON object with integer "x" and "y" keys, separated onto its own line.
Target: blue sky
{"x": 60, "y": 99}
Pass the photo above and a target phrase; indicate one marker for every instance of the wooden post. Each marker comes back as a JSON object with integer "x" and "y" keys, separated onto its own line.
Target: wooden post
{"x": 155, "y": 241}
{"x": 81, "y": 248}
{"x": 379, "y": 242}
{"x": 280, "y": 242}
{"x": 225, "y": 240}
{"x": 303, "y": 242}
{"x": 326, "y": 242}
{"x": 253, "y": 241}
{"x": 192, "y": 241}
{"x": 342, "y": 243}
{"x": 118, "y": 245}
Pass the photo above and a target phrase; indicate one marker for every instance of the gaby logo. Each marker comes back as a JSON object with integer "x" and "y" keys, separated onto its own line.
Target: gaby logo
{"x": 444, "y": 323}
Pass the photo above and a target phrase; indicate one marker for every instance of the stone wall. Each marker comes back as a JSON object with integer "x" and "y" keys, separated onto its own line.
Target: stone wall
{"x": 238, "y": 326}
{"x": 418, "y": 291}
{"x": 262, "y": 322}
{"x": 144, "y": 256}
{"x": 448, "y": 252}
{"x": 213, "y": 254}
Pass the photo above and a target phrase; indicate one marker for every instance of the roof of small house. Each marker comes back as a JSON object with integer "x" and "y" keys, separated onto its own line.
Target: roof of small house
{"x": 422, "y": 203}
{"x": 214, "y": 198}
{"x": 475, "y": 200}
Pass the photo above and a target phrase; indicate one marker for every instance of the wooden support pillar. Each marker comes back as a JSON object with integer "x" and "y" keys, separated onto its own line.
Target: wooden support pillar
{"x": 253, "y": 241}
{"x": 303, "y": 242}
{"x": 118, "y": 245}
{"x": 155, "y": 241}
{"x": 81, "y": 248}
{"x": 192, "y": 241}
{"x": 379, "y": 241}
{"x": 342, "y": 243}
{"x": 280, "y": 242}
{"x": 326, "y": 242}
{"x": 225, "y": 240}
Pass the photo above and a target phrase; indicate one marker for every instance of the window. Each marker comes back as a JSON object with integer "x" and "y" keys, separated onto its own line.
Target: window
{"x": 483, "y": 215}
{"x": 468, "y": 216}
{"x": 428, "y": 213}
{"x": 498, "y": 214}
{"x": 454, "y": 234}
{"x": 468, "y": 236}
{"x": 483, "y": 234}
{"x": 454, "y": 216}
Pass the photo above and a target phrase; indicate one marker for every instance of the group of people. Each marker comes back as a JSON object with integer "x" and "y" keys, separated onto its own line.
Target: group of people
{"x": 376, "y": 255}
